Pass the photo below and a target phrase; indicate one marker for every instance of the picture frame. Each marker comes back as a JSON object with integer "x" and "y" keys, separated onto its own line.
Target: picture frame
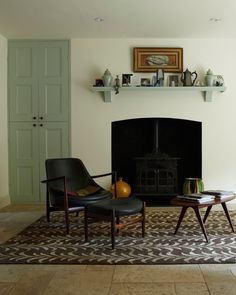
{"x": 126, "y": 79}
{"x": 173, "y": 80}
{"x": 145, "y": 82}
{"x": 135, "y": 80}
{"x": 149, "y": 59}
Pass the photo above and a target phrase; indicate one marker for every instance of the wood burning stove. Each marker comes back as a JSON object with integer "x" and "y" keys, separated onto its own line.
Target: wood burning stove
{"x": 156, "y": 174}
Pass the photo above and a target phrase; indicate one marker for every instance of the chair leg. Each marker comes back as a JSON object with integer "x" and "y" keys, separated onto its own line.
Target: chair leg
{"x": 143, "y": 220}
{"x": 86, "y": 224}
{"x": 67, "y": 222}
{"x": 113, "y": 229}
{"x": 48, "y": 207}
{"x": 48, "y": 215}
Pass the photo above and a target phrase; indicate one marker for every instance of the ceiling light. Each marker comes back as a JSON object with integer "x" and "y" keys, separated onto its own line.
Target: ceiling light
{"x": 215, "y": 19}
{"x": 99, "y": 19}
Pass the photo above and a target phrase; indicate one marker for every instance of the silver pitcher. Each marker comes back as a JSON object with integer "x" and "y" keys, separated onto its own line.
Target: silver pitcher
{"x": 186, "y": 78}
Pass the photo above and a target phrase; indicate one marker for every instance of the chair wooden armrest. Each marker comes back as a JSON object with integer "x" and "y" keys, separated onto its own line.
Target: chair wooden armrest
{"x": 114, "y": 173}
{"x": 53, "y": 179}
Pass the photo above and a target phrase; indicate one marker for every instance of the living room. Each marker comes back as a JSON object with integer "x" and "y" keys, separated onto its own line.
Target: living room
{"x": 90, "y": 58}
{"x": 207, "y": 44}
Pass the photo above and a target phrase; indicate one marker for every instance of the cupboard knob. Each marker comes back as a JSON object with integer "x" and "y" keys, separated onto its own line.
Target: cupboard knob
{"x": 34, "y": 118}
{"x": 41, "y": 118}
{"x": 34, "y": 125}
{"x": 40, "y": 125}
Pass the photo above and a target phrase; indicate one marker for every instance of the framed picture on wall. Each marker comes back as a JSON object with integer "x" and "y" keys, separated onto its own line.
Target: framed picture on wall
{"x": 149, "y": 59}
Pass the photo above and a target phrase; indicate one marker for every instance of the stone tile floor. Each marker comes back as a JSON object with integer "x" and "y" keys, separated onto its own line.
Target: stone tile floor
{"x": 105, "y": 279}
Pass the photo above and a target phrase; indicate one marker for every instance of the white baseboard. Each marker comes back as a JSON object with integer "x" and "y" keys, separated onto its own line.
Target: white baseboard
{"x": 4, "y": 201}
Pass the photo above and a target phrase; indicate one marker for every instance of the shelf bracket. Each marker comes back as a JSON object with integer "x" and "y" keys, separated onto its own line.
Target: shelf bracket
{"x": 208, "y": 95}
{"x": 107, "y": 96}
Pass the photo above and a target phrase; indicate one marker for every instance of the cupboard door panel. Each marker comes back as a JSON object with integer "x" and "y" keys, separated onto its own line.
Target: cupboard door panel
{"x": 23, "y": 56}
{"x": 53, "y": 143}
{"x": 24, "y": 173}
{"x": 54, "y": 81}
{"x": 22, "y": 81}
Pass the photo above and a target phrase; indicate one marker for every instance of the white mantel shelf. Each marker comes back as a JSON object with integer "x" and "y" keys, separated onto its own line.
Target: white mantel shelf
{"x": 206, "y": 90}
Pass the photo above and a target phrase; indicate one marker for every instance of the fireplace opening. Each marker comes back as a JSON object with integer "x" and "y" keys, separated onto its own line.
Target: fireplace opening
{"x": 155, "y": 155}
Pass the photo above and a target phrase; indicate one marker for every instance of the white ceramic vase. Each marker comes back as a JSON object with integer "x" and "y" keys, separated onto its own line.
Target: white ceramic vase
{"x": 107, "y": 78}
{"x": 210, "y": 78}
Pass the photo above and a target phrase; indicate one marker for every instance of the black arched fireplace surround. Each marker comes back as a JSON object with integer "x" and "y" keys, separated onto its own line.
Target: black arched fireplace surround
{"x": 155, "y": 155}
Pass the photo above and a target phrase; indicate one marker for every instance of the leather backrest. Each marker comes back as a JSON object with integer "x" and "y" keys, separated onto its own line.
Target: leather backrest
{"x": 73, "y": 169}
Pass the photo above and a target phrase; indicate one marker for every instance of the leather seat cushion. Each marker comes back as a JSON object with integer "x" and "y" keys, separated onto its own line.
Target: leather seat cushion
{"x": 96, "y": 197}
{"x": 121, "y": 206}
{"x": 57, "y": 196}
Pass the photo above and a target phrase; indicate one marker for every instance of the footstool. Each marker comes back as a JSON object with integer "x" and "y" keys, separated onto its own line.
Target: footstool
{"x": 112, "y": 210}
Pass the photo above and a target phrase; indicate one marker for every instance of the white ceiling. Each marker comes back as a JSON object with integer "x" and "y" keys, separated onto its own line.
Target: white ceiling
{"x": 122, "y": 18}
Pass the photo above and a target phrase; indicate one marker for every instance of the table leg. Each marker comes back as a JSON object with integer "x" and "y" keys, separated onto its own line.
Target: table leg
{"x": 207, "y": 213}
{"x": 227, "y": 215}
{"x": 181, "y": 216}
{"x": 196, "y": 210}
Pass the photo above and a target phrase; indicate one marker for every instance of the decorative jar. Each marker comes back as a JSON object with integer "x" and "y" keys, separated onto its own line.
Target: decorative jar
{"x": 107, "y": 78}
{"x": 122, "y": 187}
{"x": 193, "y": 185}
{"x": 210, "y": 77}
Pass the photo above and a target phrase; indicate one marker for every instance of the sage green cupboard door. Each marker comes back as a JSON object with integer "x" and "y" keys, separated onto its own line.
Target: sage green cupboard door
{"x": 30, "y": 145}
{"x": 53, "y": 143}
{"x": 24, "y": 172}
{"x": 38, "y": 83}
{"x": 38, "y": 75}
{"x": 22, "y": 81}
{"x": 53, "y": 73}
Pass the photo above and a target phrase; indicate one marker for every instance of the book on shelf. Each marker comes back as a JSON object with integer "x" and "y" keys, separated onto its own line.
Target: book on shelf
{"x": 219, "y": 194}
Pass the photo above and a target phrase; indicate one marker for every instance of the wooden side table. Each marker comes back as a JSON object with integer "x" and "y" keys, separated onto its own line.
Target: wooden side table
{"x": 195, "y": 206}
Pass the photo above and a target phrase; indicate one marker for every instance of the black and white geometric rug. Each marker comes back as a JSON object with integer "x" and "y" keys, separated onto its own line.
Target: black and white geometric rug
{"x": 47, "y": 243}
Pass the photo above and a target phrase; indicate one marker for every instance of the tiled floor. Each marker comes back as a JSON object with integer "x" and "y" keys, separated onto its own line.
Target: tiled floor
{"x": 99, "y": 280}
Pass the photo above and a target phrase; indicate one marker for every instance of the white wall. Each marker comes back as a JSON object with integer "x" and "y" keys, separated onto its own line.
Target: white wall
{"x": 4, "y": 191}
{"x": 91, "y": 117}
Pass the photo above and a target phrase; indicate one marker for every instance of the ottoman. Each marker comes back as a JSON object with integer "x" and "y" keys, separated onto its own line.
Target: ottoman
{"x": 113, "y": 210}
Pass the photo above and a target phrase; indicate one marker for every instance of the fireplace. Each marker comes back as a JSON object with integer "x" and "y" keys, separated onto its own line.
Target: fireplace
{"x": 155, "y": 155}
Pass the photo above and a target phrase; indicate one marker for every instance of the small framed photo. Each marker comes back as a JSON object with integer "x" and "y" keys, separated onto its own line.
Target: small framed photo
{"x": 145, "y": 82}
{"x": 126, "y": 79}
{"x": 135, "y": 81}
{"x": 219, "y": 80}
{"x": 173, "y": 80}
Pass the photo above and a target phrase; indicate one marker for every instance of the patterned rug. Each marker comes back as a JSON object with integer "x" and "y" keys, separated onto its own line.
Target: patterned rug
{"x": 46, "y": 243}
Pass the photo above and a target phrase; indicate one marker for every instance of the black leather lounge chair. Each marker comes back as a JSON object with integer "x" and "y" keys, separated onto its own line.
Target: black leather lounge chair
{"x": 70, "y": 187}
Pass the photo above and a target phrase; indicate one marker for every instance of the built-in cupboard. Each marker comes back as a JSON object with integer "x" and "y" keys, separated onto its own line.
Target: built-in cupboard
{"x": 39, "y": 113}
